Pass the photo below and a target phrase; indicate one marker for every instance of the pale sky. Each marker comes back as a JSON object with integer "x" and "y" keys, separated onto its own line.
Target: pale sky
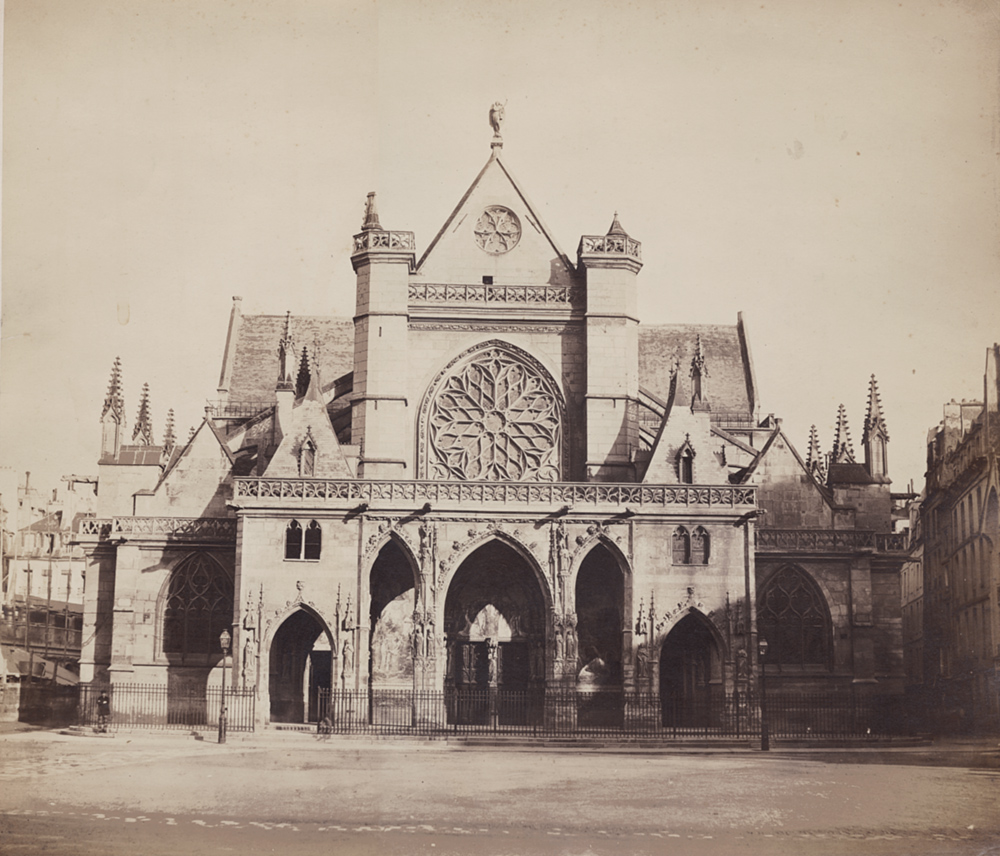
{"x": 828, "y": 168}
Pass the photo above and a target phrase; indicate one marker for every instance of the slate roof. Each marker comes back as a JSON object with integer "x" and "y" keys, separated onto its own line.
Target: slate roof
{"x": 255, "y": 360}
{"x": 729, "y": 385}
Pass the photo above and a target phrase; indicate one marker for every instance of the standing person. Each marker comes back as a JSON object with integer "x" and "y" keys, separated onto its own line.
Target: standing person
{"x": 103, "y": 711}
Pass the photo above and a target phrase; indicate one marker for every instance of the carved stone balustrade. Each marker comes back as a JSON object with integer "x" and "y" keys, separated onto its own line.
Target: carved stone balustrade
{"x": 201, "y": 529}
{"x": 374, "y": 240}
{"x": 621, "y": 246}
{"x": 829, "y": 541}
{"x": 516, "y": 295}
{"x": 485, "y": 496}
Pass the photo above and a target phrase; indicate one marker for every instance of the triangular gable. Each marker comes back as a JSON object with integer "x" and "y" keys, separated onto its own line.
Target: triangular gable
{"x": 786, "y": 489}
{"x": 455, "y": 256}
{"x": 683, "y": 429}
{"x": 309, "y": 423}
{"x": 197, "y": 481}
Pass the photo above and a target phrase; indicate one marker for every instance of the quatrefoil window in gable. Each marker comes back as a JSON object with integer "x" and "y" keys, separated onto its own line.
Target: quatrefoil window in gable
{"x": 497, "y": 230}
{"x": 493, "y": 414}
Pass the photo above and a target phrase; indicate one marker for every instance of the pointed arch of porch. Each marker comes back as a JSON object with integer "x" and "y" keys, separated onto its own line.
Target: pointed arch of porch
{"x": 392, "y": 536}
{"x": 599, "y": 593}
{"x": 274, "y": 624}
{"x": 285, "y": 687}
{"x": 601, "y": 539}
{"x": 496, "y": 571}
{"x": 509, "y": 540}
{"x": 673, "y": 621}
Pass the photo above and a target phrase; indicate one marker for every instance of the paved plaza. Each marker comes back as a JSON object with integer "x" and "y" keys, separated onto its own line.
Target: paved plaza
{"x": 293, "y": 793}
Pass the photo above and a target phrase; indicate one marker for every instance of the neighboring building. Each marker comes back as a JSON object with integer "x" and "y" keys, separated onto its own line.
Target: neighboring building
{"x": 494, "y": 476}
{"x": 913, "y": 609}
{"x": 961, "y": 532}
{"x": 43, "y": 581}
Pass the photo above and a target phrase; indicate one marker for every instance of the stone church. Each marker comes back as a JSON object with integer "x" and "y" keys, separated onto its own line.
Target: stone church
{"x": 493, "y": 477}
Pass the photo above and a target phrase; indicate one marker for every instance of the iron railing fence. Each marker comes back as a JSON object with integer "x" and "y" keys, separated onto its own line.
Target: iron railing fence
{"x": 604, "y": 714}
{"x": 159, "y": 706}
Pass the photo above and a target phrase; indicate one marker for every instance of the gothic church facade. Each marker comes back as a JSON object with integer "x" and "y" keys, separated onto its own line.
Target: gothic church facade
{"x": 494, "y": 476}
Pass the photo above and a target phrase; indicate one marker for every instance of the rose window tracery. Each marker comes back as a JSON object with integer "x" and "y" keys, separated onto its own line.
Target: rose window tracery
{"x": 497, "y": 230}
{"x": 495, "y": 418}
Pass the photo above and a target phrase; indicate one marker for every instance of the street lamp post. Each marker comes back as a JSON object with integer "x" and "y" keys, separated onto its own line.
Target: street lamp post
{"x": 765, "y": 737}
{"x": 224, "y": 639}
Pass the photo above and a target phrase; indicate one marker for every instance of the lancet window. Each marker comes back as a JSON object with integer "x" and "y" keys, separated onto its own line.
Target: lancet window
{"x": 682, "y": 546}
{"x": 303, "y": 544}
{"x": 700, "y": 546}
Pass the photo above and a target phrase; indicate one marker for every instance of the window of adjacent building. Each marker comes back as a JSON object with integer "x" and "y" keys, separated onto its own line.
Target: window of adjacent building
{"x": 305, "y": 544}
{"x": 682, "y": 546}
{"x": 198, "y": 607}
{"x": 793, "y": 618}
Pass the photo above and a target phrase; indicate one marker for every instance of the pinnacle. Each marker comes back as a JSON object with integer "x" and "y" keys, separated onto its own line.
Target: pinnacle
{"x": 143, "y": 431}
{"x": 169, "y": 437}
{"x": 114, "y": 400}
{"x": 302, "y": 381}
{"x": 843, "y": 453}
{"x": 616, "y": 227}
{"x": 873, "y": 416}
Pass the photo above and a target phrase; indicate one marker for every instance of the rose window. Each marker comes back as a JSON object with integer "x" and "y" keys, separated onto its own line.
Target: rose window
{"x": 497, "y": 230}
{"x": 495, "y": 419}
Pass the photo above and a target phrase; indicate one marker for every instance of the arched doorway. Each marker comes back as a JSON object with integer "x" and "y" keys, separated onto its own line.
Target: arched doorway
{"x": 300, "y": 666}
{"x": 495, "y": 636}
{"x": 600, "y": 590}
{"x": 690, "y": 674}
{"x": 390, "y": 661}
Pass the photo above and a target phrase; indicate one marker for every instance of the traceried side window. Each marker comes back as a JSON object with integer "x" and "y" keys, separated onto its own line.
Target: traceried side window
{"x": 198, "y": 607}
{"x": 303, "y": 544}
{"x": 682, "y": 546}
{"x": 293, "y": 540}
{"x": 699, "y": 546}
{"x": 313, "y": 541}
{"x": 793, "y": 618}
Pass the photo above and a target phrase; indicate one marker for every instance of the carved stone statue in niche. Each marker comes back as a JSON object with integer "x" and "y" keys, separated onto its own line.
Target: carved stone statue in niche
{"x": 642, "y": 662}
{"x": 249, "y": 663}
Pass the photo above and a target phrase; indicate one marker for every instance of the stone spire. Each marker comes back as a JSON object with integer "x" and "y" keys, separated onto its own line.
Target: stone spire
{"x": 616, "y": 227}
{"x": 876, "y": 435}
{"x": 815, "y": 459}
{"x": 114, "y": 401}
{"x": 843, "y": 453}
{"x": 169, "y": 437}
{"x": 699, "y": 376}
{"x": 286, "y": 354}
{"x": 143, "y": 431}
{"x": 302, "y": 381}
{"x": 371, "y": 215}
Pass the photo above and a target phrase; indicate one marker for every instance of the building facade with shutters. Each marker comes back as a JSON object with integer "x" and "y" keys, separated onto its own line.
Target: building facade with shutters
{"x": 494, "y": 476}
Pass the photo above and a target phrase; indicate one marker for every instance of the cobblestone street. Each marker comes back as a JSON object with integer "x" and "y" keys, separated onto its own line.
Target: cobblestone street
{"x": 163, "y": 794}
